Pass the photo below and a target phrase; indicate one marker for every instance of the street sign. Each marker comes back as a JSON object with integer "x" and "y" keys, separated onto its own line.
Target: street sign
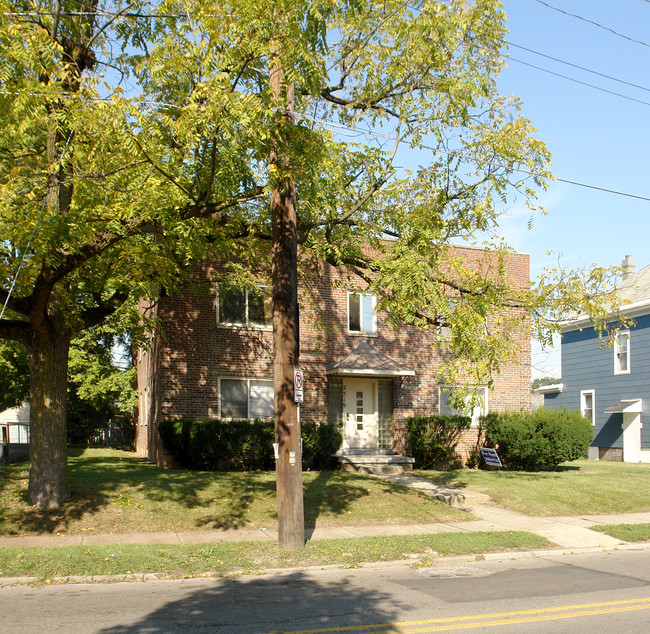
{"x": 298, "y": 381}
{"x": 491, "y": 457}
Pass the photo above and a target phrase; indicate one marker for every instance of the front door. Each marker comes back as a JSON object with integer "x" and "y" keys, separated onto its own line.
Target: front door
{"x": 360, "y": 414}
{"x": 631, "y": 436}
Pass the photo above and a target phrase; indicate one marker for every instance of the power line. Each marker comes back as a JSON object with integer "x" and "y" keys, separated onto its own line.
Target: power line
{"x": 587, "y": 70}
{"x": 578, "y": 81}
{"x": 358, "y": 131}
{"x": 594, "y": 23}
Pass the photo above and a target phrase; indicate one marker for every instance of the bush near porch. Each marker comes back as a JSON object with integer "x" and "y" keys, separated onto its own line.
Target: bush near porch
{"x": 434, "y": 438}
{"x": 242, "y": 445}
{"x": 538, "y": 440}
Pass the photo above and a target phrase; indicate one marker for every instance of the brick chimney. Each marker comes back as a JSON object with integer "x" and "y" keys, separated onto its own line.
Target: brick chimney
{"x": 629, "y": 266}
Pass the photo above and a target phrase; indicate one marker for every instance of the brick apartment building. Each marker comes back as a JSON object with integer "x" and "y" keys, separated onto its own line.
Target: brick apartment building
{"x": 211, "y": 357}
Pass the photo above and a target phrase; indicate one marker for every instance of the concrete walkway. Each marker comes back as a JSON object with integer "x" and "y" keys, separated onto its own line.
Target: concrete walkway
{"x": 566, "y": 532}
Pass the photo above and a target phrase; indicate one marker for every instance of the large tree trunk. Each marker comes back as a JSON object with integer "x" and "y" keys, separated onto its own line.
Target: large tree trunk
{"x": 48, "y": 371}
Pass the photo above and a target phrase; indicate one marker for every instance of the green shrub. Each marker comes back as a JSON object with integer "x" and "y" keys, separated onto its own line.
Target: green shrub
{"x": 319, "y": 443}
{"x": 538, "y": 440}
{"x": 433, "y": 439}
{"x": 242, "y": 445}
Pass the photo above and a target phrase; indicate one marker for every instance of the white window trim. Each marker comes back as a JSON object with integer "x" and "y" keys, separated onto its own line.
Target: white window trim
{"x": 617, "y": 350}
{"x": 583, "y": 394}
{"x": 362, "y": 333}
{"x": 248, "y": 380}
{"x": 477, "y": 411}
{"x": 240, "y": 324}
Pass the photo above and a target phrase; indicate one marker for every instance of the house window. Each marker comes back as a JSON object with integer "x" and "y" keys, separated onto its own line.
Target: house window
{"x": 622, "y": 353}
{"x": 244, "y": 307}
{"x": 588, "y": 405}
{"x": 361, "y": 314}
{"x": 245, "y": 398}
{"x": 447, "y": 407}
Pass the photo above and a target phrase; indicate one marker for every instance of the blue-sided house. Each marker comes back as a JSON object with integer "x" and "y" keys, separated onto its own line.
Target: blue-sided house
{"x": 611, "y": 386}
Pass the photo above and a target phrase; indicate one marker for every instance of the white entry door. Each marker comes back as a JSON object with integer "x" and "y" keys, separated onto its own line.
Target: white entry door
{"x": 631, "y": 437}
{"x": 360, "y": 414}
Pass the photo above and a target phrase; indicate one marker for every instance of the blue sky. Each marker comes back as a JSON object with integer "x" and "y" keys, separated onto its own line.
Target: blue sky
{"x": 596, "y": 138}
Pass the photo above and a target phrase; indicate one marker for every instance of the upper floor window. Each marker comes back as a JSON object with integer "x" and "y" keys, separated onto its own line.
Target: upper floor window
{"x": 245, "y": 398}
{"x": 588, "y": 405}
{"x": 622, "y": 353}
{"x": 475, "y": 405}
{"x": 244, "y": 307}
{"x": 361, "y": 313}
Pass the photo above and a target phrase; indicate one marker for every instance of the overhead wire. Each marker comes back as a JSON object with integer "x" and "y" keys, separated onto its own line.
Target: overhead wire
{"x": 583, "y": 68}
{"x": 356, "y": 131}
{"x": 578, "y": 81}
{"x": 594, "y": 23}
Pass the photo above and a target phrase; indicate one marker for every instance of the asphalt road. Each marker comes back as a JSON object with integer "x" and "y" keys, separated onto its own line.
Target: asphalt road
{"x": 595, "y": 592}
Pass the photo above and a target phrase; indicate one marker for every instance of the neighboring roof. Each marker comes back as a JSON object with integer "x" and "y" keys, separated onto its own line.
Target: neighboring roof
{"x": 550, "y": 389}
{"x": 634, "y": 290}
{"x": 365, "y": 360}
{"x": 635, "y": 286}
{"x": 626, "y": 405}
{"x": 19, "y": 414}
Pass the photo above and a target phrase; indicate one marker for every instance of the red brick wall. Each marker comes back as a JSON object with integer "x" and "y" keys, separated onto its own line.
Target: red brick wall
{"x": 180, "y": 370}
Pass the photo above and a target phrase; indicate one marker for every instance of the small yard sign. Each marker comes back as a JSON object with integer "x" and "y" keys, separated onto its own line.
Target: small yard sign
{"x": 491, "y": 457}
{"x": 298, "y": 381}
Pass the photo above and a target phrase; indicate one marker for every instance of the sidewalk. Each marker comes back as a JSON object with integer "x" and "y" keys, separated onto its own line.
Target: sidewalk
{"x": 566, "y": 532}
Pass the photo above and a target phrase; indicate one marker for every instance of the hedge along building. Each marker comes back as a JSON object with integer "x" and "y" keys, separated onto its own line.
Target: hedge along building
{"x": 210, "y": 357}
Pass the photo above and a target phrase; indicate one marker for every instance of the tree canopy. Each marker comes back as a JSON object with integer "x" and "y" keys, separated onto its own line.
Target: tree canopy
{"x": 139, "y": 138}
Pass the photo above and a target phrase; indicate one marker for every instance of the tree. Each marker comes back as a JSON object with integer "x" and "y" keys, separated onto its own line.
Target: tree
{"x": 306, "y": 107}
{"x": 544, "y": 380}
{"x": 14, "y": 375}
{"x": 73, "y": 245}
{"x": 109, "y": 194}
{"x": 101, "y": 386}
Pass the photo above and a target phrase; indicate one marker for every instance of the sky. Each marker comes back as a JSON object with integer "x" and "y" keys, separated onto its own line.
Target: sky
{"x": 596, "y": 138}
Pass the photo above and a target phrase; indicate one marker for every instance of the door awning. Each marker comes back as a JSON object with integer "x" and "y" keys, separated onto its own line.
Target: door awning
{"x": 626, "y": 406}
{"x": 364, "y": 360}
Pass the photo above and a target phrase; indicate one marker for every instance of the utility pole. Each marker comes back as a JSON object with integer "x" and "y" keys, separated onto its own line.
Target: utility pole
{"x": 284, "y": 272}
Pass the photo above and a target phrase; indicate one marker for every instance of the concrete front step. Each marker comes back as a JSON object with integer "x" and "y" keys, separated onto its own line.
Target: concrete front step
{"x": 376, "y": 463}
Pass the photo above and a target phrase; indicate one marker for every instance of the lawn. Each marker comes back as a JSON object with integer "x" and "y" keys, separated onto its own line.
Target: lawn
{"x": 224, "y": 558}
{"x": 116, "y": 492}
{"x": 576, "y": 488}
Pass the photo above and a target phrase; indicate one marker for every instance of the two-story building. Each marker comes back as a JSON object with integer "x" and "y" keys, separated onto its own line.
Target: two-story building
{"x": 211, "y": 357}
{"x": 610, "y": 385}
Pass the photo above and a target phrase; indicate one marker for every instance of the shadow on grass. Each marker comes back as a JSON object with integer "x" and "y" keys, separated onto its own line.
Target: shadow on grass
{"x": 97, "y": 481}
{"x": 328, "y": 493}
{"x": 203, "y": 500}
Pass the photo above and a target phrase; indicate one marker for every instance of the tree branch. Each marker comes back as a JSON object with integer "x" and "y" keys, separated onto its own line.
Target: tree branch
{"x": 16, "y": 330}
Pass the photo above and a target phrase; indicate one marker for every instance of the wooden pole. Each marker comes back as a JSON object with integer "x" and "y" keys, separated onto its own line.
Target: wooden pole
{"x": 291, "y": 521}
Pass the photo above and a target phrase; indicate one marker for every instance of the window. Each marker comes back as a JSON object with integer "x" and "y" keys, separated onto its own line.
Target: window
{"x": 446, "y": 405}
{"x": 246, "y": 307}
{"x": 588, "y": 405}
{"x": 245, "y": 398}
{"x": 361, "y": 313}
{"x": 622, "y": 353}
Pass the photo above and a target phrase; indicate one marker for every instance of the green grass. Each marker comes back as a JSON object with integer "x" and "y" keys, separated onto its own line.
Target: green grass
{"x": 626, "y": 532}
{"x": 116, "y": 492}
{"x": 575, "y": 488}
{"x": 225, "y": 558}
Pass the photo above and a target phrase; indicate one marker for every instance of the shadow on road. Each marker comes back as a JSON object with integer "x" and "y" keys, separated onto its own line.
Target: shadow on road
{"x": 285, "y": 603}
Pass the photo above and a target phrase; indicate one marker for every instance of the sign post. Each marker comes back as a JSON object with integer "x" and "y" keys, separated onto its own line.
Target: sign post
{"x": 298, "y": 383}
